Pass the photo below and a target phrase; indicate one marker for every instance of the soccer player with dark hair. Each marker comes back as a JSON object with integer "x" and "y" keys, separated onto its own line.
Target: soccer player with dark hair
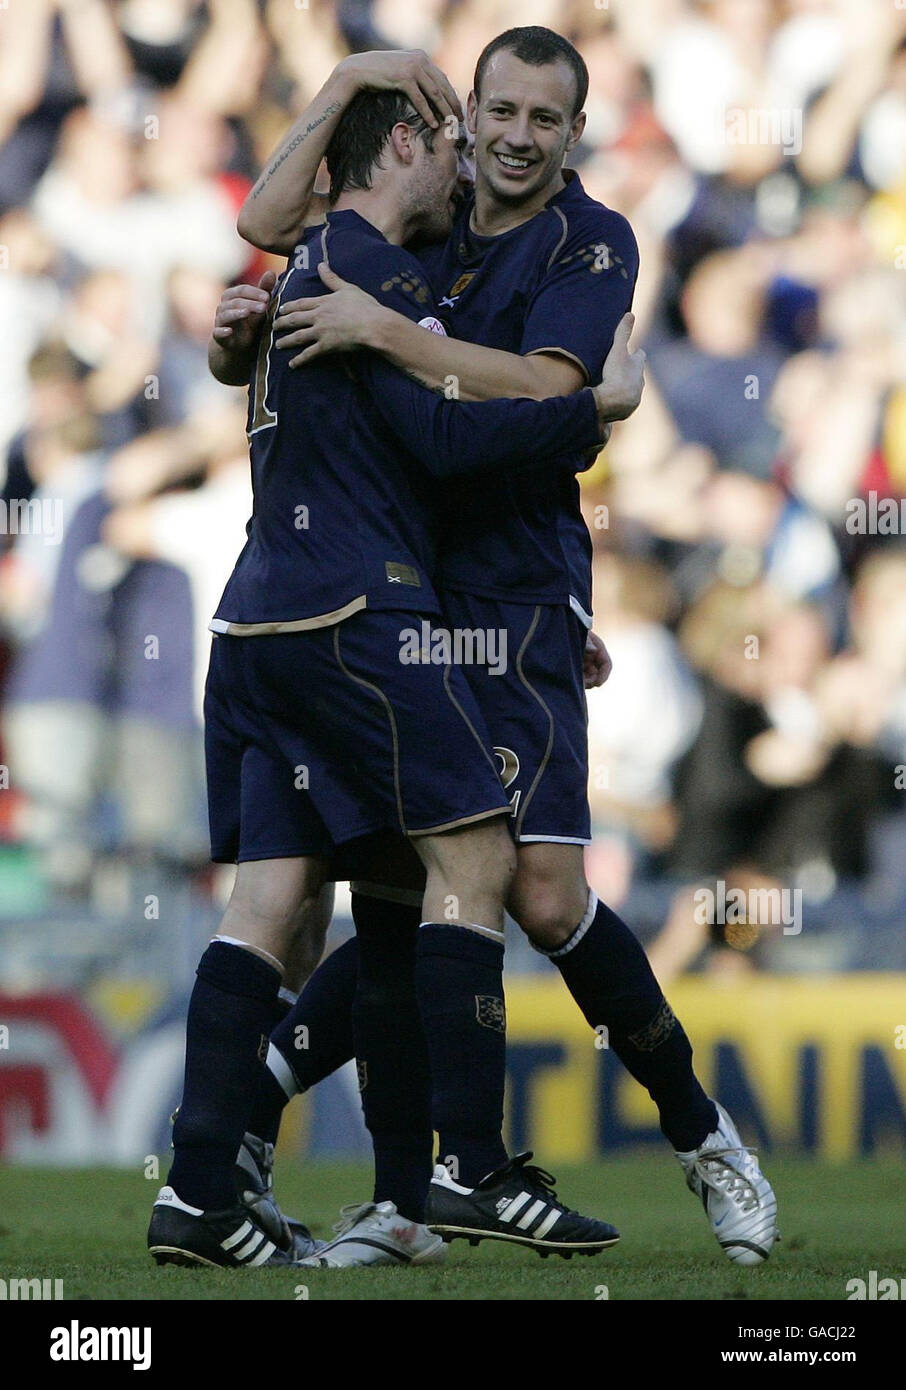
{"x": 534, "y": 283}
{"x": 318, "y": 732}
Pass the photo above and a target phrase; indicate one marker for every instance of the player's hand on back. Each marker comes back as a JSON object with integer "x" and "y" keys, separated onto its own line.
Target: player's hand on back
{"x": 335, "y": 322}
{"x": 241, "y": 313}
{"x": 427, "y": 87}
{"x": 623, "y": 380}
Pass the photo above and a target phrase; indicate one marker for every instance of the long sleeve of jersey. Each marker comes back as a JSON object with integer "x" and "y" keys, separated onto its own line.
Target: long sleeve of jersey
{"x": 452, "y": 438}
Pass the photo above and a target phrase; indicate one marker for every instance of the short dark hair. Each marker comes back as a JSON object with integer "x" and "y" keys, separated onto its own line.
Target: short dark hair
{"x": 361, "y": 134}
{"x": 538, "y": 46}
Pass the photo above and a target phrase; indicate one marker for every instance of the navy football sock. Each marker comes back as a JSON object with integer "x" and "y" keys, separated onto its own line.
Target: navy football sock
{"x": 230, "y": 1010}
{"x": 312, "y": 1040}
{"x": 608, "y": 975}
{"x": 459, "y": 982}
{"x": 270, "y": 1097}
{"x": 394, "y": 1075}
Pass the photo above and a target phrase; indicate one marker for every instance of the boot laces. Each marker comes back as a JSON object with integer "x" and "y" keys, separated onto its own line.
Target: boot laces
{"x": 541, "y": 1179}
{"x": 351, "y": 1215}
{"x": 728, "y": 1178}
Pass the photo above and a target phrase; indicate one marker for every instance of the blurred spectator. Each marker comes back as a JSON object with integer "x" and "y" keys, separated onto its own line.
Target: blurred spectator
{"x": 716, "y": 380}
{"x": 755, "y": 721}
{"x": 29, "y": 304}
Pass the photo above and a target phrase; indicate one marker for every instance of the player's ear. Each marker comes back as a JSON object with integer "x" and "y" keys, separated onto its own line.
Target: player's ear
{"x": 576, "y": 130}
{"x": 471, "y": 113}
{"x": 402, "y": 139}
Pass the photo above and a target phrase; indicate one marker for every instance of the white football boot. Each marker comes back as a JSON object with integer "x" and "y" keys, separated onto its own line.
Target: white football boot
{"x": 737, "y": 1197}
{"x": 374, "y": 1233}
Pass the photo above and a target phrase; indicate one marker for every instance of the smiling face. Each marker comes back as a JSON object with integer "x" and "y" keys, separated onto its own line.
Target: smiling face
{"x": 524, "y": 126}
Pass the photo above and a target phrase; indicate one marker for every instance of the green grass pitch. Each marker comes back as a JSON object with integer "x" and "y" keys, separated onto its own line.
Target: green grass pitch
{"x": 87, "y": 1227}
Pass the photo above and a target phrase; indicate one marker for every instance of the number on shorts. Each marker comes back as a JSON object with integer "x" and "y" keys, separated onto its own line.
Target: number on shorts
{"x": 508, "y": 771}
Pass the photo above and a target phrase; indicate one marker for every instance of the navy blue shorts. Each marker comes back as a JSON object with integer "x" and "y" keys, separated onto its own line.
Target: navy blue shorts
{"x": 535, "y": 712}
{"x": 317, "y": 738}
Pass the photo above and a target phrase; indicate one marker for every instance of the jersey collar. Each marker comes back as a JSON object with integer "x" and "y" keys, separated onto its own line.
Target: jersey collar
{"x": 349, "y": 218}
{"x": 470, "y": 244}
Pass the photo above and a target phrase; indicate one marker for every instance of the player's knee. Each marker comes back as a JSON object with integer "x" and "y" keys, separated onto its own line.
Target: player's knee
{"x": 547, "y": 910}
{"x": 546, "y": 925}
{"x": 274, "y": 920}
{"x": 474, "y": 869}
{"x": 292, "y": 914}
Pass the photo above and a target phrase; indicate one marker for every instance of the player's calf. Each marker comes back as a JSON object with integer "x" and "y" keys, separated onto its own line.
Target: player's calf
{"x": 231, "y": 1013}
{"x": 459, "y": 988}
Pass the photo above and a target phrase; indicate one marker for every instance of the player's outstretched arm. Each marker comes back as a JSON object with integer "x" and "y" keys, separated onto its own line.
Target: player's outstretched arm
{"x": 453, "y": 437}
{"x": 279, "y": 204}
{"x": 349, "y": 317}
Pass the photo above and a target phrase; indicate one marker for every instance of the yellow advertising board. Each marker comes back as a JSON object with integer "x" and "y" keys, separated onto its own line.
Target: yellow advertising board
{"x": 817, "y": 1065}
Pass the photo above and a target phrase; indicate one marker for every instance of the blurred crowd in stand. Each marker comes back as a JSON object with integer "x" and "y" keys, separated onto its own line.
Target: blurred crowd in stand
{"x": 750, "y": 570}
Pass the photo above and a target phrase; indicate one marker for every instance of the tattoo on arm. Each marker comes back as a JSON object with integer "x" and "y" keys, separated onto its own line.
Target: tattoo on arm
{"x": 294, "y": 145}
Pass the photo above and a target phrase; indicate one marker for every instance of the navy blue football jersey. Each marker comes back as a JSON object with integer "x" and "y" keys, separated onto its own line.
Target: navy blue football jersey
{"x": 560, "y": 283}
{"x": 342, "y": 451}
